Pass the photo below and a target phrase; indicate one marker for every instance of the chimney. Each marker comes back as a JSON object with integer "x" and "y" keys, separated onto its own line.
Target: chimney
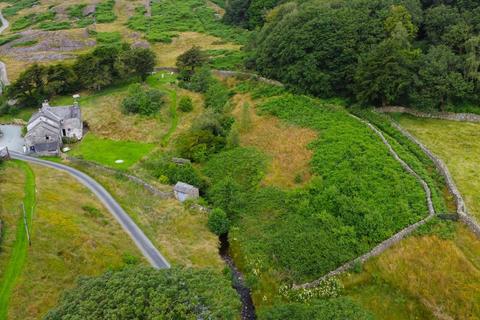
{"x": 75, "y": 99}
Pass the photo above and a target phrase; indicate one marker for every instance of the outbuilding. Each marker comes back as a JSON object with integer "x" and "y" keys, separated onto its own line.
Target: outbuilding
{"x": 183, "y": 191}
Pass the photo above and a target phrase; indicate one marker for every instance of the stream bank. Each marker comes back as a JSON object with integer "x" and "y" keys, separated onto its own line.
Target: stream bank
{"x": 238, "y": 281}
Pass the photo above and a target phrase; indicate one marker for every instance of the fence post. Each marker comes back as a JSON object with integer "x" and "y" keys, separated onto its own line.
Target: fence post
{"x": 26, "y": 225}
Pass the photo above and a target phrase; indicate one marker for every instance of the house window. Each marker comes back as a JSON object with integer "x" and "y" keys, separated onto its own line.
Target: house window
{"x": 47, "y": 138}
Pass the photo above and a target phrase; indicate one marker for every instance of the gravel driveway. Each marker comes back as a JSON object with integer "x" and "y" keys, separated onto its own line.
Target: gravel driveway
{"x": 11, "y": 137}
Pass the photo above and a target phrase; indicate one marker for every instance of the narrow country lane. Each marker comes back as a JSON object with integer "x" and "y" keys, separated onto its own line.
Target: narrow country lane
{"x": 143, "y": 243}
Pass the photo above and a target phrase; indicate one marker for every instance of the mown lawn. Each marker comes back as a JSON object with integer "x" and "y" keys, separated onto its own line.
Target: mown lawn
{"x": 72, "y": 235}
{"x": 458, "y": 145}
{"x": 107, "y": 152}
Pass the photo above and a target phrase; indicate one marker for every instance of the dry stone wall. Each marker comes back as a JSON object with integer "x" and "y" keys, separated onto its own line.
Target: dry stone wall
{"x": 467, "y": 117}
{"x": 395, "y": 238}
{"x": 462, "y": 210}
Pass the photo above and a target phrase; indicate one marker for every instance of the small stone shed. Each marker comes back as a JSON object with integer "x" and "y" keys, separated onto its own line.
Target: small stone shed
{"x": 183, "y": 191}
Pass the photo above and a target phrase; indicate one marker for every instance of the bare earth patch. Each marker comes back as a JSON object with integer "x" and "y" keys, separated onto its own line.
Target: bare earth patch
{"x": 287, "y": 145}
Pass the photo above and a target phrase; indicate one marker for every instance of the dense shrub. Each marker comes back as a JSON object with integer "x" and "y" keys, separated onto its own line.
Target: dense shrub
{"x": 333, "y": 309}
{"x": 158, "y": 294}
{"x": 217, "y": 96}
{"x": 206, "y": 136}
{"x": 226, "y": 59}
{"x": 218, "y": 222}
{"x": 411, "y": 154}
{"x": 104, "y": 11}
{"x": 163, "y": 166}
{"x": 7, "y": 39}
{"x": 143, "y": 101}
{"x": 358, "y": 197}
{"x": 185, "y": 104}
{"x": 31, "y": 19}
{"x": 200, "y": 80}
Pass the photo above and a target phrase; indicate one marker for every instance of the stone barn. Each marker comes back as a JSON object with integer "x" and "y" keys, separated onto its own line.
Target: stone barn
{"x": 184, "y": 191}
{"x": 47, "y": 128}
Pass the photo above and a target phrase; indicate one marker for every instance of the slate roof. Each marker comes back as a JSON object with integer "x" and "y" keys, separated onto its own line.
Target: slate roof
{"x": 185, "y": 188}
{"x": 57, "y": 113}
{"x": 46, "y": 126}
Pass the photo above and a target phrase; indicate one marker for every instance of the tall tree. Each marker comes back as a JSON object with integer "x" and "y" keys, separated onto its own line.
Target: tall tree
{"x": 386, "y": 72}
{"x": 136, "y": 62}
{"x": 29, "y": 88}
{"x": 440, "y": 80}
{"x": 189, "y": 61}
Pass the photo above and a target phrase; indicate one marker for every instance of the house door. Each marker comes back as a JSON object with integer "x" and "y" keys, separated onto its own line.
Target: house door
{"x": 64, "y": 132}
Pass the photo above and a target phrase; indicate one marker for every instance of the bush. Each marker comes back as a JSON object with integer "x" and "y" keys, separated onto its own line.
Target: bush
{"x": 143, "y": 101}
{"x": 185, "y": 104}
{"x": 163, "y": 168}
{"x": 217, "y": 96}
{"x": 146, "y": 293}
{"x": 206, "y": 136}
{"x": 218, "y": 222}
{"x": 200, "y": 80}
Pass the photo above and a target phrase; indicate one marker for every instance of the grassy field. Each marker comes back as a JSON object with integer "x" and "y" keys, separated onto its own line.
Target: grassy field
{"x": 72, "y": 235}
{"x": 458, "y": 145}
{"x": 179, "y": 233}
{"x": 432, "y": 276}
{"x": 15, "y": 256}
{"x": 435, "y": 274}
{"x": 286, "y": 145}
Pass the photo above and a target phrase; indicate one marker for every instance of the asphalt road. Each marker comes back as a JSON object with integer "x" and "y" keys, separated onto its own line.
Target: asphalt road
{"x": 143, "y": 243}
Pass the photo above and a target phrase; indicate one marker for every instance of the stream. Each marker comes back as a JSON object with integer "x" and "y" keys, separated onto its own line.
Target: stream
{"x": 248, "y": 309}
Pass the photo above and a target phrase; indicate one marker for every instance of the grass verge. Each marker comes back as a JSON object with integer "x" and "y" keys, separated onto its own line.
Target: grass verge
{"x": 18, "y": 255}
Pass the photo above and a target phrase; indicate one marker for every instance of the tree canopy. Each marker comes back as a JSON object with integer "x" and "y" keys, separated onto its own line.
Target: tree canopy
{"x": 146, "y": 293}
{"x": 374, "y": 51}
